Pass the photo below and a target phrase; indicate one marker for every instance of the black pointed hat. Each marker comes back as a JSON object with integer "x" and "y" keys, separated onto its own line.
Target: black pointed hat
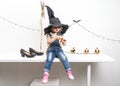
{"x": 54, "y": 22}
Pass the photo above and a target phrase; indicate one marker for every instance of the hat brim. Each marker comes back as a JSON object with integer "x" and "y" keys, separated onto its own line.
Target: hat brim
{"x": 64, "y": 28}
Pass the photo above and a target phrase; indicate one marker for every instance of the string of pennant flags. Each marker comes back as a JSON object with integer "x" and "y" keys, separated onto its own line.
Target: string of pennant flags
{"x": 21, "y": 26}
{"x": 96, "y": 34}
{"x": 74, "y": 22}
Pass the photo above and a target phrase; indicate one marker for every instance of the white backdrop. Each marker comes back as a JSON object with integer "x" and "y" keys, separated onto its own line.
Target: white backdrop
{"x": 98, "y": 16}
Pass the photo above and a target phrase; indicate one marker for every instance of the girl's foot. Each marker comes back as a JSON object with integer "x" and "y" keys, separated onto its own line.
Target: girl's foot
{"x": 70, "y": 75}
{"x": 45, "y": 77}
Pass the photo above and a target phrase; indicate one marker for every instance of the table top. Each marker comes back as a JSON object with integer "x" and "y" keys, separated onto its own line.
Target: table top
{"x": 16, "y": 57}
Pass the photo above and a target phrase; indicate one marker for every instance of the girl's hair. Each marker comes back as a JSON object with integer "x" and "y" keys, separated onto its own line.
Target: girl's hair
{"x": 47, "y": 31}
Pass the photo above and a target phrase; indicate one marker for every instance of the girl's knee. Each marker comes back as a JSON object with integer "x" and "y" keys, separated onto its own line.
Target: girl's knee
{"x": 64, "y": 58}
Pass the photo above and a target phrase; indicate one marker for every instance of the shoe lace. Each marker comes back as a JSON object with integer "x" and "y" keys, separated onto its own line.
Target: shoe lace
{"x": 45, "y": 76}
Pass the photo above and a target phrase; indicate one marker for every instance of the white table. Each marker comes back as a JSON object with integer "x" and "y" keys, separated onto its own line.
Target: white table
{"x": 89, "y": 58}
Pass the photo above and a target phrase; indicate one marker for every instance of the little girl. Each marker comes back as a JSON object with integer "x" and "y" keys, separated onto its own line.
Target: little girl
{"x": 55, "y": 40}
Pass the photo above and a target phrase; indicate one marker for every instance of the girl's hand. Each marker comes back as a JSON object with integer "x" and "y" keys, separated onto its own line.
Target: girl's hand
{"x": 63, "y": 41}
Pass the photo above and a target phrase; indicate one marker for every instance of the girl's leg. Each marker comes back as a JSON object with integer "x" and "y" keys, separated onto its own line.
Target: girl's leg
{"x": 66, "y": 64}
{"x": 64, "y": 60}
{"x": 49, "y": 61}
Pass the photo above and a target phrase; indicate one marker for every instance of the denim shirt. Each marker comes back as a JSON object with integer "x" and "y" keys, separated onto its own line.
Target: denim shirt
{"x": 55, "y": 46}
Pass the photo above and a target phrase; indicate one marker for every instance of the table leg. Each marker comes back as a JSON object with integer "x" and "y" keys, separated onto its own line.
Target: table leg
{"x": 88, "y": 74}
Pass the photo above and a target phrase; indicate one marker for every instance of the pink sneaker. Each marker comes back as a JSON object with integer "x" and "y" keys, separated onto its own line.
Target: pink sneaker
{"x": 70, "y": 76}
{"x": 45, "y": 77}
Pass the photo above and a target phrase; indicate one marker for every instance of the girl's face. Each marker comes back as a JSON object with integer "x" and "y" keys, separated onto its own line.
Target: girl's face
{"x": 56, "y": 29}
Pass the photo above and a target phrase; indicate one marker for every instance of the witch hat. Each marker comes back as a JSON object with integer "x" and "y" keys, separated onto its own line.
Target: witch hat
{"x": 54, "y": 22}
{"x": 50, "y": 12}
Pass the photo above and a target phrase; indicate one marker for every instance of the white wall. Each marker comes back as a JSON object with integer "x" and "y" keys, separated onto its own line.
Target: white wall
{"x": 99, "y": 16}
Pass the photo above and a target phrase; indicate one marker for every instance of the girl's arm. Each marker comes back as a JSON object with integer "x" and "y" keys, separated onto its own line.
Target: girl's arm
{"x": 52, "y": 39}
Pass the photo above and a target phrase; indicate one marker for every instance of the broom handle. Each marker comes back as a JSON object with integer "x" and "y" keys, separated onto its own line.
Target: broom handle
{"x": 41, "y": 26}
{"x": 41, "y": 33}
